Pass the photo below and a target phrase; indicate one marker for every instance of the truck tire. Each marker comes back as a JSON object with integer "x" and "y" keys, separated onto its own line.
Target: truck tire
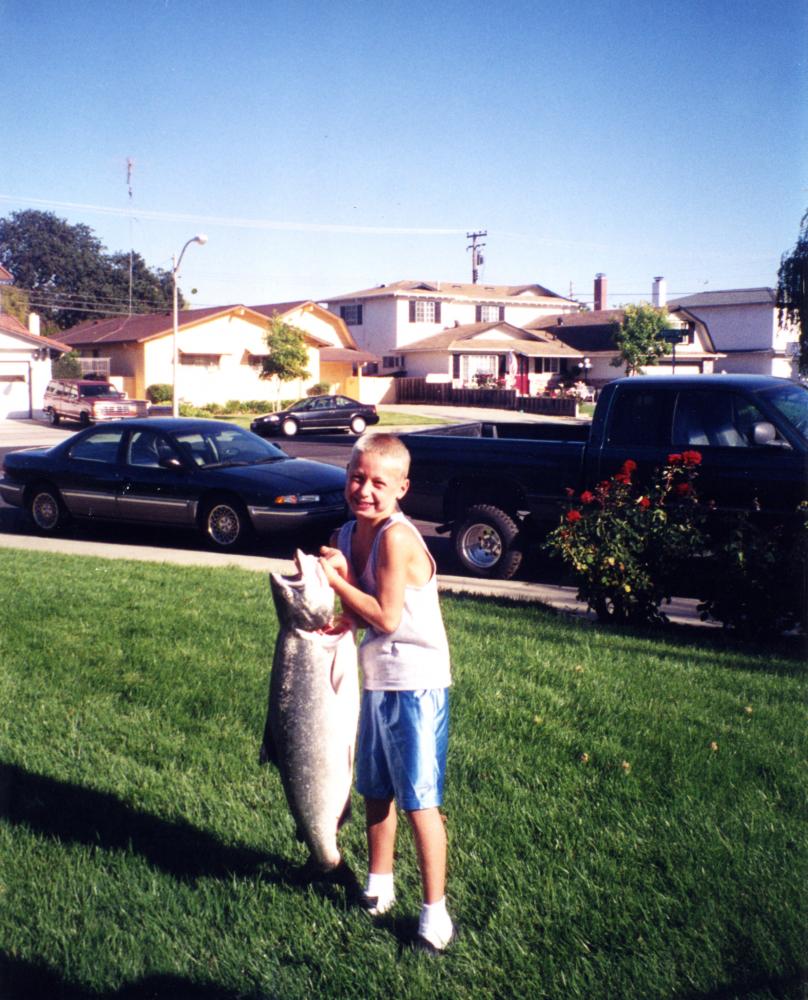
{"x": 486, "y": 542}
{"x": 52, "y": 416}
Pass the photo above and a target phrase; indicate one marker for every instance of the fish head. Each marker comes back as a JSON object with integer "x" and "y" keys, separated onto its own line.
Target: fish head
{"x": 303, "y": 599}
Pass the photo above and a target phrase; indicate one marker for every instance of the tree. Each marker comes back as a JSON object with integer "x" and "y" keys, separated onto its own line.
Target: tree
{"x": 288, "y": 355}
{"x": 792, "y": 292}
{"x": 639, "y": 337}
{"x": 67, "y": 366}
{"x": 69, "y": 274}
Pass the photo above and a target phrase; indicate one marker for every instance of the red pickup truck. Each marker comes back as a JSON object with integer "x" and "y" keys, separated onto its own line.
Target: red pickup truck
{"x": 88, "y": 401}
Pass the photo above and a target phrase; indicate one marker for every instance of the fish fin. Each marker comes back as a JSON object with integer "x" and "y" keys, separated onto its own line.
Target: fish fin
{"x": 346, "y": 813}
{"x": 268, "y": 754}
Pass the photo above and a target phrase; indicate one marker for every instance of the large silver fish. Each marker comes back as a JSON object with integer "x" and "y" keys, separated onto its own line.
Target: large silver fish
{"x": 310, "y": 731}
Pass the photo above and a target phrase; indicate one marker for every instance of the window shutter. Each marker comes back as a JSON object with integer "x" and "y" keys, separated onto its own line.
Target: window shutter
{"x": 502, "y": 313}
{"x": 437, "y": 312}
{"x": 455, "y": 366}
{"x": 359, "y": 314}
{"x": 412, "y": 310}
{"x": 478, "y": 314}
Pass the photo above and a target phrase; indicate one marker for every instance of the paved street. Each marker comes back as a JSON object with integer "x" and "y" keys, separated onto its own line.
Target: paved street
{"x": 119, "y": 542}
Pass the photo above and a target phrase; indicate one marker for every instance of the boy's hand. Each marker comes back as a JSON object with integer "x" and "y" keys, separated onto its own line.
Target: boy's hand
{"x": 334, "y": 563}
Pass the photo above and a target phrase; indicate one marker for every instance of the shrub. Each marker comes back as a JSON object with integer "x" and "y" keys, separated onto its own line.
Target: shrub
{"x": 625, "y": 545}
{"x": 160, "y": 392}
{"x": 756, "y": 584}
{"x": 67, "y": 366}
{"x": 319, "y": 389}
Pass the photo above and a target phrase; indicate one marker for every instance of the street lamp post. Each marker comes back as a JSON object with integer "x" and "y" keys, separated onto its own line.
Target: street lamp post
{"x": 584, "y": 364}
{"x": 175, "y": 268}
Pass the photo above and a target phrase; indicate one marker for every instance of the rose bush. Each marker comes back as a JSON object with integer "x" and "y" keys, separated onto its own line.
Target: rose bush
{"x": 626, "y": 545}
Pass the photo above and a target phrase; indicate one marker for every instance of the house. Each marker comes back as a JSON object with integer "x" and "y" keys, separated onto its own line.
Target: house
{"x": 744, "y": 326}
{"x": 547, "y": 352}
{"x": 25, "y": 366}
{"x": 219, "y": 351}
{"x": 385, "y": 319}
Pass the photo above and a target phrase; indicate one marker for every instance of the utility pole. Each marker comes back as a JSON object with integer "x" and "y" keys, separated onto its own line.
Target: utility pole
{"x": 129, "y": 168}
{"x": 476, "y": 253}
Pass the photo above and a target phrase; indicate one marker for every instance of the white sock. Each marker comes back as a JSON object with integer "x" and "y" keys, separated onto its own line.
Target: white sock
{"x": 435, "y": 924}
{"x": 381, "y": 887}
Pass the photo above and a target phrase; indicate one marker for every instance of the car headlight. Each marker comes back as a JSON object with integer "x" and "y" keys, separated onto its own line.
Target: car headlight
{"x": 293, "y": 498}
{"x": 272, "y": 420}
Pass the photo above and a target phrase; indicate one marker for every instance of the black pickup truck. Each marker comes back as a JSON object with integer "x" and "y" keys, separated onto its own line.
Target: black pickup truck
{"x": 500, "y": 486}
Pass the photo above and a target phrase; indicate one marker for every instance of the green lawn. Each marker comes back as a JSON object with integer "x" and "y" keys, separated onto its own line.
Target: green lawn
{"x": 626, "y": 810}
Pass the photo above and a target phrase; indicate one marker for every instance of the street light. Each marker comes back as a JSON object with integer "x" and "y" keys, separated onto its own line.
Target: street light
{"x": 176, "y": 261}
{"x": 585, "y": 364}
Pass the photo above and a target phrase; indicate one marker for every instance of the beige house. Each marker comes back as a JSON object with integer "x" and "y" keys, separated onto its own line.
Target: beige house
{"x": 219, "y": 350}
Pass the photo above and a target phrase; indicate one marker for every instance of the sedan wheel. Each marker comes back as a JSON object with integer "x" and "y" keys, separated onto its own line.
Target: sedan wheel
{"x": 358, "y": 424}
{"x": 45, "y": 508}
{"x": 225, "y": 524}
{"x": 289, "y": 428}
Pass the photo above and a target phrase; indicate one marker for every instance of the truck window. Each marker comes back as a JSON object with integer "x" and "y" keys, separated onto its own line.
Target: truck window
{"x": 640, "y": 417}
{"x": 717, "y": 419}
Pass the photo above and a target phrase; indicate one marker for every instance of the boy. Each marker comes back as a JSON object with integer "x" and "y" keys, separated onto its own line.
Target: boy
{"x": 385, "y": 577}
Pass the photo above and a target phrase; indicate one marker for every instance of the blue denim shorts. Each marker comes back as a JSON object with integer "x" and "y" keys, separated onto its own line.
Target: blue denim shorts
{"x": 402, "y": 746}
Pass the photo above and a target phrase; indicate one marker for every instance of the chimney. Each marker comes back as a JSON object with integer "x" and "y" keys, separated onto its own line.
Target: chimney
{"x": 659, "y": 293}
{"x": 33, "y": 324}
{"x": 600, "y": 292}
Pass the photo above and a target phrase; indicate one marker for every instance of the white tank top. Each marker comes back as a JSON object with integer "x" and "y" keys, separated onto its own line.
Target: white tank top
{"x": 416, "y": 655}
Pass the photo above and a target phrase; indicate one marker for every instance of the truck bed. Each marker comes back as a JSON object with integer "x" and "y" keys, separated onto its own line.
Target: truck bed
{"x": 511, "y": 430}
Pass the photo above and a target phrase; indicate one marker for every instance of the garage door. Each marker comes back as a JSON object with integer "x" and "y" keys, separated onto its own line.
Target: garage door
{"x": 15, "y": 398}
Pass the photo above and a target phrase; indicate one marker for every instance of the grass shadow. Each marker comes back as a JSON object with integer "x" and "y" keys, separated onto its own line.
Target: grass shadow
{"x": 69, "y": 812}
{"x": 22, "y": 980}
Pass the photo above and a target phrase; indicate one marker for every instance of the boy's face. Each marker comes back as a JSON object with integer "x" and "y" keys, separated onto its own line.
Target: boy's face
{"x": 375, "y": 485}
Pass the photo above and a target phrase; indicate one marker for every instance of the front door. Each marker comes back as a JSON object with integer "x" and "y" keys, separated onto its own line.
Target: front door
{"x": 152, "y": 492}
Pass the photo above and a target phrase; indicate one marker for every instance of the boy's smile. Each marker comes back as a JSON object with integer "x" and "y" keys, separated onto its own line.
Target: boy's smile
{"x": 374, "y": 486}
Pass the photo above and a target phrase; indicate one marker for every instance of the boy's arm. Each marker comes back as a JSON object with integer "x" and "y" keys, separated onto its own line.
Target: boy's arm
{"x": 398, "y": 548}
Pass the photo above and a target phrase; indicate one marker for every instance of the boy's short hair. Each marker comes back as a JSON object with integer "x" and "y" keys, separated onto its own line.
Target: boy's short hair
{"x": 386, "y": 446}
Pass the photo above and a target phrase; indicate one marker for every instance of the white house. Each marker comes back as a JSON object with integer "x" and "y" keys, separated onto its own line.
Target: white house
{"x": 25, "y": 366}
{"x": 390, "y": 317}
{"x": 219, "y": 348}
{"x": 745, "y": 328}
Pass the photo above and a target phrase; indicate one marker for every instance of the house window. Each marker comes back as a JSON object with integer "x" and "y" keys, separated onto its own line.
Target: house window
{"x": 352, "y": 314}
{"x": 547, "y": 365}
{"x": 200, "y": 360}
{"x": 482, "y": 364}
{"x": 392, "y": 361}
{"x": 489, "y": 313}
{"x": 424, "y": 311}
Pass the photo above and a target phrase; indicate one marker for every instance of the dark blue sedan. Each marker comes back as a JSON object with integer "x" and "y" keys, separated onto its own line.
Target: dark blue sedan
{"x": 206, "y": 474}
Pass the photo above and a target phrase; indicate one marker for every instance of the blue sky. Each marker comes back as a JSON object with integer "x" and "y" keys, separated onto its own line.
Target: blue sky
{"x": 331, "y": 146}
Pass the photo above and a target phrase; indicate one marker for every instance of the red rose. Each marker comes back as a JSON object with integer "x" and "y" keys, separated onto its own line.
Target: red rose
{"x": 682, "y": 489}
{"x": 622, "y": 477}
{"x": 587, "y": 497}
{"x": 573, "y": 516}
{"x": 644, "y": 502}
{"x": 674, "y": 459}
{"x": 629, "y": 466}
{"x": 691, "y": 457}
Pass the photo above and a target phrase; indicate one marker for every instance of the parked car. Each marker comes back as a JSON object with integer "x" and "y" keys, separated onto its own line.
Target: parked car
{"x": 317, "y": 413}
{"x": 88, "y": 401}
{"x": 188, "y": 473}
{"x": 499, "y": 486}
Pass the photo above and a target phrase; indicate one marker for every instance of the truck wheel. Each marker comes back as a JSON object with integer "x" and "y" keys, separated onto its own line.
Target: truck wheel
{"x": 53, "y": 417}
{"x": 46, "y": 509}
{"x": 485, "y": 542}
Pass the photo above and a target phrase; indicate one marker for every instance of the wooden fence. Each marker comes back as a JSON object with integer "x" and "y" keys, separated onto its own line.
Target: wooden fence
{"x": 418, "y": 390}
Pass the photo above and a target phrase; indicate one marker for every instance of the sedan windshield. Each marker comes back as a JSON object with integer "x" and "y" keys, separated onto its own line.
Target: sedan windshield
{"x": 219, "y": 445}
{"x": 792, "y": 403}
